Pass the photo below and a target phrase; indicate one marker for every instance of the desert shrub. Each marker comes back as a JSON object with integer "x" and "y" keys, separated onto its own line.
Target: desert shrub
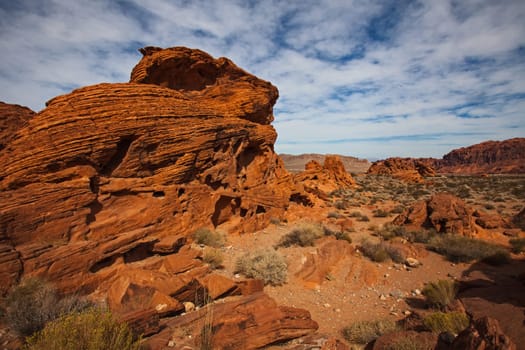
{"x": 389, "y": 231}
{"x": 463, "y": 249}
{"x": 267, "y": 265}
{"x": 343, "y": 236}
{"x": 91, "y": 329}
{"x": 364, "y": 332}
{"x": 341, "y": 204}
{"x": 440, "y": 294}
{"x": 380, "y": 252}
{"x": 34, "y": 302}
{"x": 363, "y": 218}
{"x": 411, "y": 342}
{"x": 380, "y": 213}
{"x": 501, "y": 257}
{"x": 453, "y": 322}
{"x": 213, "y": 257}
{"x": 420, "y": 236}
{"x": 398, "y": 209}
{"x": 517, "y": 244}
{"x": 334, "y": 215}
{"x": 302, "y": 235}
{"x": 207, "y": 237}
{"x": 489, "y": 206}
{"x": 355, "y": 214}
{"x": 275, "y": 221}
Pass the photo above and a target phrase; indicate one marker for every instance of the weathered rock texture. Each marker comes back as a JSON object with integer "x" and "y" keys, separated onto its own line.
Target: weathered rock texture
{"x": 443, "y": 212}
{"x": 491, "y": 157}
{"x": 407, "y": 169}
{"x": 12, "y": 118}
{"x": 113, "y": 173}
{"x": 485, "y": 333}
{"x": 296, "y": 163}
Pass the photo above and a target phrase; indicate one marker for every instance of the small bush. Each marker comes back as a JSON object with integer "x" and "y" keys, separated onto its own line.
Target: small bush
{"x": 34, "y": 302}
{"x": 517, "y": 244}
{"x": 363, "y": 218}
{"x": 91, "y": 329}
{"x": 275, "y": 221}
{"x": 366, "y": 331}
{"x": 210, "y": 238}
{"x": 453, "y": 322}
{"x": 501, "y": 257}
{"x": 302, "y": 235}
{"x": 398, "y": 209}
{"x": 489, "y": 206}
{"x": 213, "y": 257}
{"x": 380, "y": 213}
{"x": 267, "y": 265}
{"x": 440, "y": 294}
{"x": 463, "y": 249}
{"x": 411, "y": 342}
{"x": 334, "y": 215}
{"x": 355, "y": 214}
{"x": 380, "y": 252}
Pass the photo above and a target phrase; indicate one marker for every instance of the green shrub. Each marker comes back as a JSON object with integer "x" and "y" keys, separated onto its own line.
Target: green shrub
{"x": 453, "y": 322}
{"x": 92, "y": 329}
{"x": 363, "y": 218}
{"x": 380, "y": 252}
{"x": 380, "y": 213}
{"x": 398, "y": 209}
{"x": 355, "y": 214}
{"x": 411, "y": 342}
{"x": 302, "y": 235}
{"x": 267, "y": 265}
{"x": 440, "y": 294}
{"x": 501, "y": 257}
{"x": 364, "y": 332}
{"x": 334, "y": 215}
{"x": 213, "y": 257}
{"x": 463, "y": 249}
{"x": 210, "y": 238}
{"x": 34, "y": 302}
{"x": 517, "y": 244}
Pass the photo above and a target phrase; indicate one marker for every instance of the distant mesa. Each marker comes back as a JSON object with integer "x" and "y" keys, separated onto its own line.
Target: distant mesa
{"x": 491, "y": 157}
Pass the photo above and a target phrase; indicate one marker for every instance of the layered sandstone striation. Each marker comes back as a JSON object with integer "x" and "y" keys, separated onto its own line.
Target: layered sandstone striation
{"x": 111, "y": 170}
{"x": 12, "y": 118}
{"x": 407, "y": 169}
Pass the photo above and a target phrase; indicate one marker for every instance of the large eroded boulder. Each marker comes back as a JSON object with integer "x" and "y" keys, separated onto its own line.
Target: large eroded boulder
{"x": 407, "y": 169}
{"x": 106, "y": 174}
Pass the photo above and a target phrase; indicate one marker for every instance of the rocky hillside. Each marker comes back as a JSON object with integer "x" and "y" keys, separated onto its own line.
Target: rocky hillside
{"x": 12, "y": 118}
{"x": 491, "y": 157}
{"x": 296, "y": 163}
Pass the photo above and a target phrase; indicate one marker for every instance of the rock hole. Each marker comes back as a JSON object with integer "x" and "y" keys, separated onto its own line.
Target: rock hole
{"x": 119, "y": 155}
{"x": 106, "y": 262}
{"x": 95, "y": 207}
{"x": 246, "y": 157}
{"x": 301, "y": 199}
{"x": 180, "y": 192}
{"x": 158, "y": 194}
{"x": 140, "y": 252}
{"x": 243, "y": 212}
{"x": 225, "y": 207}
{"x": 260, "y": 209}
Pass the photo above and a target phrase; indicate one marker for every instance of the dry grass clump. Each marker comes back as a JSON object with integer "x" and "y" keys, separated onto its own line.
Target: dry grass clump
{"x": 213, "y": 257}
{"x": 303, "y": 235}
{"x": 411, "y": 342}
{"x": 441, "y": 293}
{"x": 92, "y": 329}
{"x": 380, "y": 252}
{"x": 380, "y": 213}
{"x": 34, "y": 302}
{"x": 267, "y": 265}
{"x": 389, "y": 231}
{"x": 364, "y": 332}
{"x": 463, "y": 249}
{"x": 453, "y": 322}
{"x": 209, "y": 238}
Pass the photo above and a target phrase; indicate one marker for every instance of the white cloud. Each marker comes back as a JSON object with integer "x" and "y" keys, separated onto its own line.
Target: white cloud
{"x": 342, "y": 67}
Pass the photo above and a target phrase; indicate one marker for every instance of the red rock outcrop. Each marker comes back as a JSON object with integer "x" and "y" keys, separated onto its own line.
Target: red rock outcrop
{"x": 485, "y": 333}
{"x": 247, "y": 322}
{"x": 407, "y": 169}
{"x": 443, "y": 212}
{"x": 110, "y": 171}
{"x": 320, "y": 180}
{"x": 490, "y": 157}
{"x": 12, "y": 118}
{"x": 296, "y": 163}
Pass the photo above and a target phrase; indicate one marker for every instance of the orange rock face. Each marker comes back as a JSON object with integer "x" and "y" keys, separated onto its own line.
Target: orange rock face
{"x": 407, "y": 169}
{"x": 320, "y": 180}
{"x": 443, "y": 212}
{"x": 491, "y": 157}
{"x": 114, "y": 170}
{"x": 12, "y": 118}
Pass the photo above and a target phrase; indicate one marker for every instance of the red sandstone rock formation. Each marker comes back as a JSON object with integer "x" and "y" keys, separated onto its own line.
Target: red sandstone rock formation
{"x": 320, "y": 180}
{"x": 407, "y": 169}
{"x": 112, "y": 169}
{"x": 491, "y": 157}
{"x": 296, "y": 163}
{"x": 443, "y": 212}
{"x": 12, "y": 118}
{"x": 485, "y": 333}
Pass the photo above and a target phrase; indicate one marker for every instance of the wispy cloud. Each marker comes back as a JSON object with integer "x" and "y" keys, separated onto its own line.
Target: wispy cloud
{"x": 367, "y": 78}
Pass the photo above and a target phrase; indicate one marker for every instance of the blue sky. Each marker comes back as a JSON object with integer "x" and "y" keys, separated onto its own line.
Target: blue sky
{"x": 371, "y": 79}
